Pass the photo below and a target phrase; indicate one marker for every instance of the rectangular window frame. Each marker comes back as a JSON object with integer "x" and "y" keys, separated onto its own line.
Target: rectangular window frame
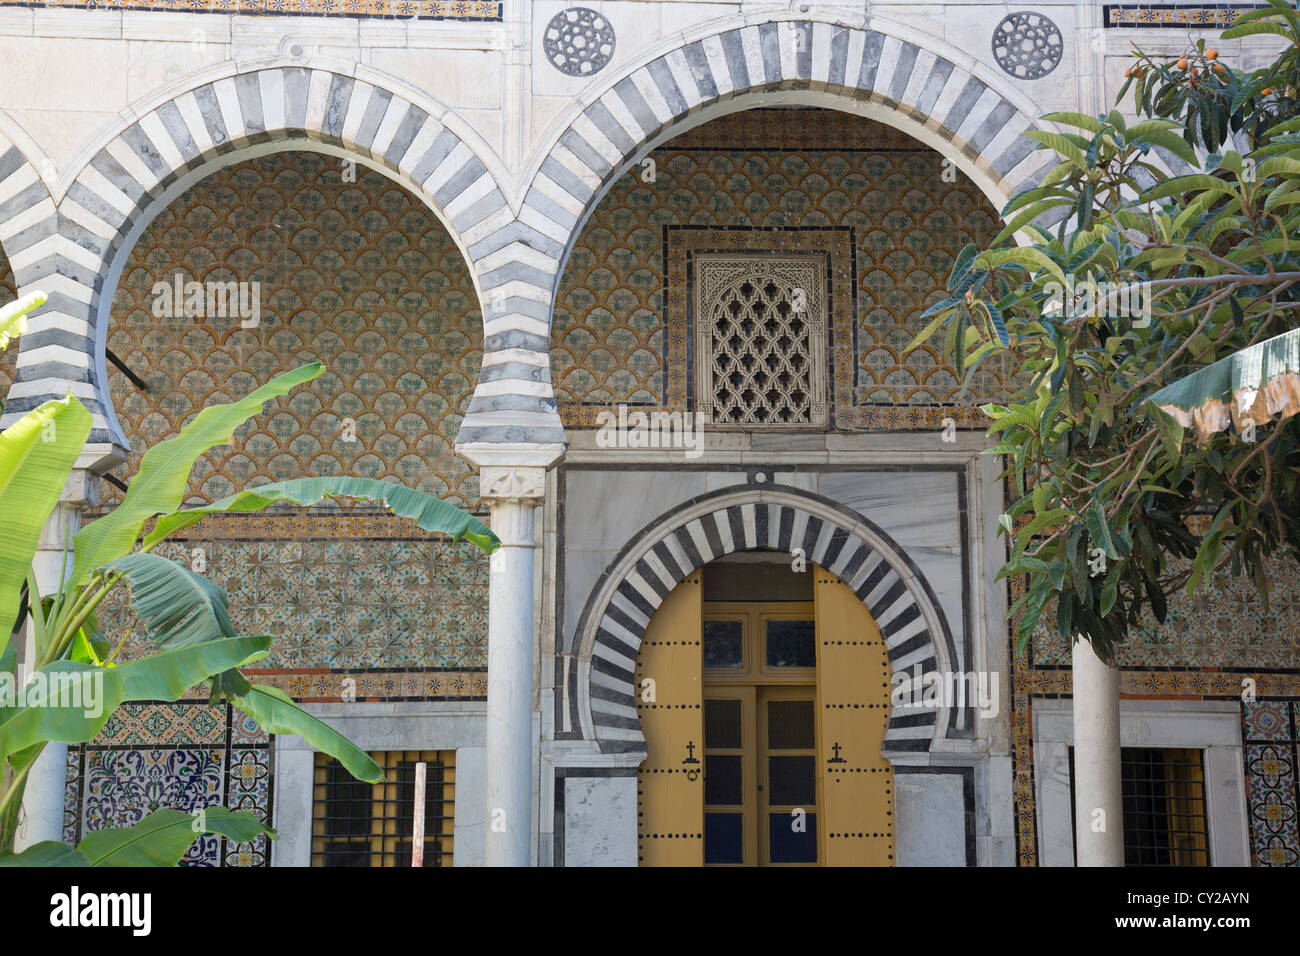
{"x": 1213, "y": 727}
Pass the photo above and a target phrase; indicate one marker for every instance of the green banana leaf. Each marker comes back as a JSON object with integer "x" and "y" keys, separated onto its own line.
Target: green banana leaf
{"x": 432, "y": 514}
{"x": 162, "y": 838}
{"x": 37, "y": 453}
{"x": 95, "y": 692}
{"x": 276, "y": 713}
{"x": 13, "y": 316}
{"x": 178, "y": 606}
{"x": 159, "y": 486}
{"x": 1256, "y": 383}
{"x": 47, "y": 853}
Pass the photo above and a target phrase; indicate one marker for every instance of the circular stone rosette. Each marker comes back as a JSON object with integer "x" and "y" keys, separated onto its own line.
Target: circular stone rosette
{"x": 1027, "y": 45}
{"x": 579, "y": 41}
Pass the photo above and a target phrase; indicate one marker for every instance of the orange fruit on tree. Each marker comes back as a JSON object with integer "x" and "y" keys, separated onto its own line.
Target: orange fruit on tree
{"x": 1182, "y": 63}
{"x": 1211, "y": 54}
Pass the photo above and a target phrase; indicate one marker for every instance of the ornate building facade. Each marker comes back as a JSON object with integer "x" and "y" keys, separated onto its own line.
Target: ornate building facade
{"x": 634, "y": 282}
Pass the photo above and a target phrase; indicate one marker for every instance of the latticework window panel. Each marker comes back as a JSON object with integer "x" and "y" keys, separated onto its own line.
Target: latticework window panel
{"x": 760, "y": 340}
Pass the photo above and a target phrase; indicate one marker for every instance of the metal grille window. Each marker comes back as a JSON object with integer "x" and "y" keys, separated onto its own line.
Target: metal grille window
{"x": 1164, "y": 806}
{"x": 760, "y": 334}
{"x": 362, "y": 824}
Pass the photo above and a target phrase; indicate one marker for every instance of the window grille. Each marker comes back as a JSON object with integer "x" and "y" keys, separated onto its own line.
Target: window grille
{"x": 361, "y": 824}
{"x": 760, "y": 335}
{"x": 1165, "y": 822}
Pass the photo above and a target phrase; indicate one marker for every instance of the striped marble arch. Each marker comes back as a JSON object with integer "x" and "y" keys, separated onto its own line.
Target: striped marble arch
{"x": 113, "y": 195}
{"x": 640, "y": 109}
{"x": 918, "y": 639}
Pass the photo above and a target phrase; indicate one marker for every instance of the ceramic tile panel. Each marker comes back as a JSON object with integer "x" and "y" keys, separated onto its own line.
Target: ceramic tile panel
{"x": 347, "y": 268}
{"x": 182, "y": 756}
{"x": 1272, "y": 777}
{"x": 336, "y": 602}
{"x": 622, "y": 318}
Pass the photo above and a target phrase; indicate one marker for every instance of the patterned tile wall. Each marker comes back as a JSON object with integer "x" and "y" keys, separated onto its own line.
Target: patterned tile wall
{"x": 358, "y": 274}
{"x": 1272, "y": 765}
{"x": 180, "y": 756}
{"x": 772, "y": 169}
{"x": 339, "y": 593}
{"x": 1223, "y": 624}
{"x": 1213, "y": 646}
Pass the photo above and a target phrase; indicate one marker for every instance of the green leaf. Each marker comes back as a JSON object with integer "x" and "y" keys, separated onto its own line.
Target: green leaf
{"x": 1062, "y": 145}
{"x": 37, "y": 454}
{"x": 159, "y": 486}
{"x": 162, "y": 838}
{"x": 430, "y": 513}
{"x": 178, "y": 606}
{"x": 961, "y": 265}
{"x": 1081, "y": 120}
{"x": 1099, "y": 530}
{"x": 74, "y": 700}
{"x": 1031, "y": 258}
{"x": 13, "y": 316}
{"x": 276, "y": 713}
{"x": 1254, "y": 29}
{"x": 46, "y": 853}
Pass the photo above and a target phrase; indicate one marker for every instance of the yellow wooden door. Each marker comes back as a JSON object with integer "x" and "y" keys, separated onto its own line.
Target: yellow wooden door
{"x": 853, "y": 681}
{"x": 670, "y": 782}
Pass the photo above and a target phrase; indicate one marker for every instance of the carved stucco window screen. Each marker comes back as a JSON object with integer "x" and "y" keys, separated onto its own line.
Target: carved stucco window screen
{"x": 760, "y": 340}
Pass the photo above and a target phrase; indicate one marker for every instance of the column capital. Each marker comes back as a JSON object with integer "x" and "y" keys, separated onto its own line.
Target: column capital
{"x": 502, "y": 483}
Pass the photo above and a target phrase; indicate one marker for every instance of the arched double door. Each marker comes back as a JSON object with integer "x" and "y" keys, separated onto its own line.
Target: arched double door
{"x": 764, "y": 720}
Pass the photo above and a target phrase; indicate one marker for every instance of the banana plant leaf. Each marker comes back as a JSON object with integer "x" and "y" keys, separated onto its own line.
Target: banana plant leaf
{"x": 430, "y": 513}
{"x": 159, "y": 486}
{"x": 162, "y": 838}
{"x": 13, "y": 316}
{"x": 37, "y": 453}
{"x": 276, "y": 713}
{"x": 73, "y": 700}
{"x": 1254, "y": 384}
{"x": 178, "y": 606}
{"x": 47, "y": 853}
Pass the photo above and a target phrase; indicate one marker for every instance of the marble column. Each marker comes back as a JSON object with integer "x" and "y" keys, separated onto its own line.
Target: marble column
{"x": 1098, "y": 801}
{"x": 41, "y": 817}
{"x": 513, "y": 494}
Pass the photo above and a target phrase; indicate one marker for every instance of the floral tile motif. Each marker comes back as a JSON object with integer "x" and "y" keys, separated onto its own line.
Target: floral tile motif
{"x": 151, "y": 725}
{"x": 72, "y": 797}
{"x": 249, "y": 788}
{"x": 124, "y": 786}
{"x": 117, "y": 784}
{"x": 1267, "y": 720}
{"x": 337, "y": 604}
{"x": 244, "y": 730}
{"x": 1223, "y": 624}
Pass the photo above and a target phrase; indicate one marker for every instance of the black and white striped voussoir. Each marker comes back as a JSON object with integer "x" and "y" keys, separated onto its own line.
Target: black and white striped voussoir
{"x": 894, "y": 600}
{"x": 190, "y": 132}
{"x": 786, "y": 55}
